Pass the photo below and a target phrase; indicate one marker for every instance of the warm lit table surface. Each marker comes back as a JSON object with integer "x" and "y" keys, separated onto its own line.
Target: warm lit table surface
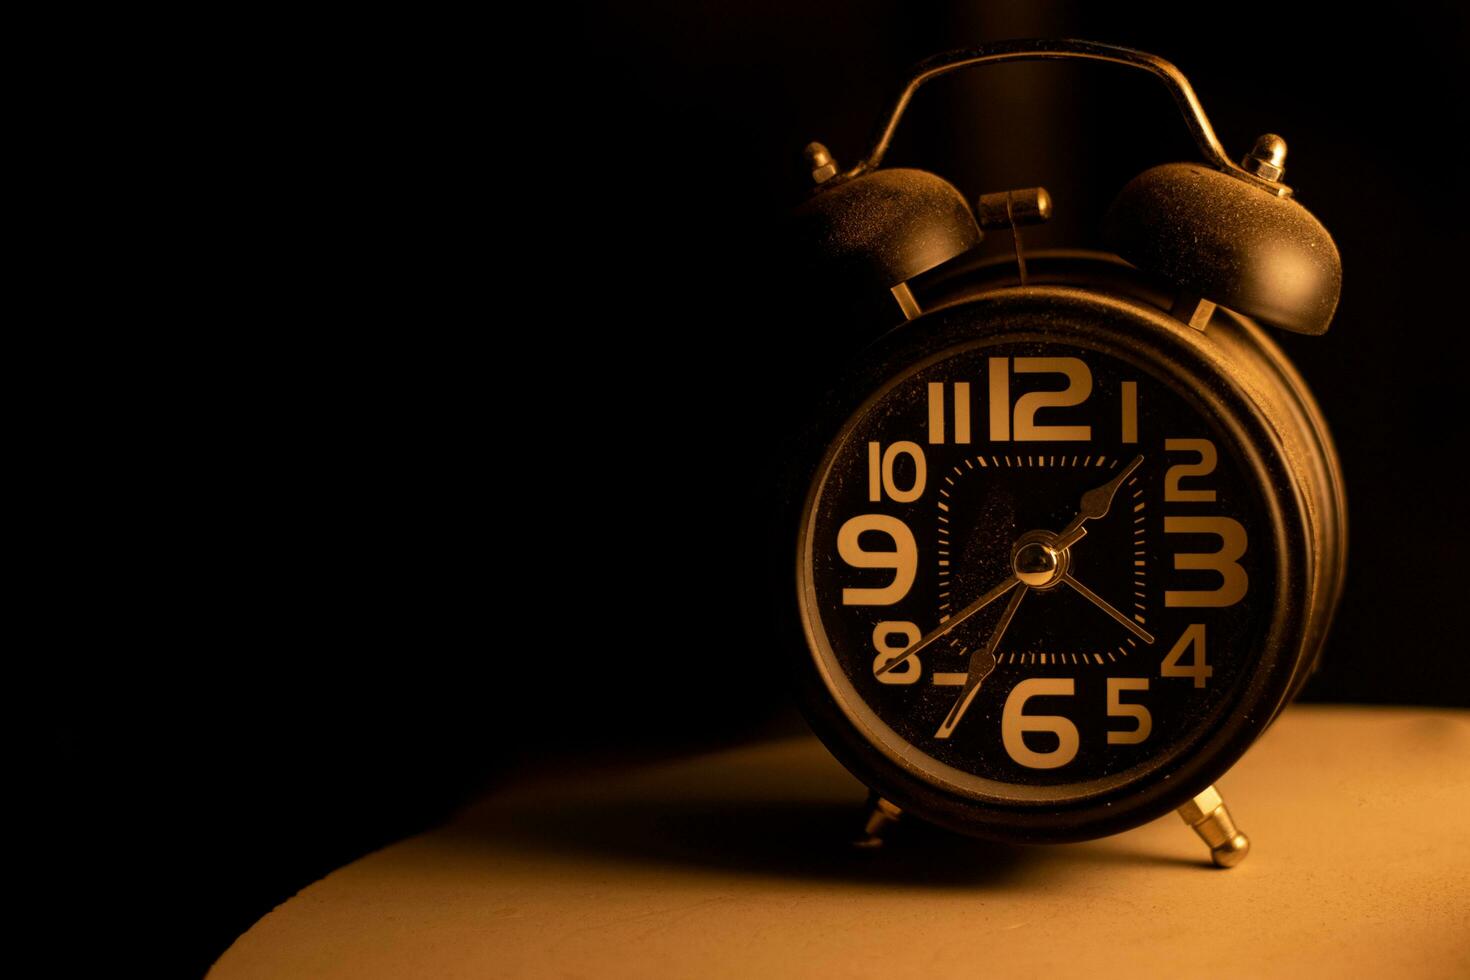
{"x": 734, "y": 864}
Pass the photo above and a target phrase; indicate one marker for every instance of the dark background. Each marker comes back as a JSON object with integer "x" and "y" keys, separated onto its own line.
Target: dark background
{"x": 563, "y": 563}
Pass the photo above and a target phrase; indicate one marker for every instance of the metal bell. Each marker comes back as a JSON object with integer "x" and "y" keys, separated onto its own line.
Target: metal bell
{"x": 1224, "y": 239}
{"x": 883, "y": 227}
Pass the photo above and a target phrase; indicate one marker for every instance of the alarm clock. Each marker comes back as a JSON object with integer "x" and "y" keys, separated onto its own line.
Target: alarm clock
{"x": 1070, "y": 532}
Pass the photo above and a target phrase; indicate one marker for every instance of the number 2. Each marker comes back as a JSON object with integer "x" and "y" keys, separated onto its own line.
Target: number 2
{"x": 1174, "y": 492}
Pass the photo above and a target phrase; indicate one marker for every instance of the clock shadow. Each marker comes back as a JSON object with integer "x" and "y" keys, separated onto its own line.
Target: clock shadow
{"x": 785, "y": 839}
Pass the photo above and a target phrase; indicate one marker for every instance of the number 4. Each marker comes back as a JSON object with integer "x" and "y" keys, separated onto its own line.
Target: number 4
{"x": 1193, "y": 639}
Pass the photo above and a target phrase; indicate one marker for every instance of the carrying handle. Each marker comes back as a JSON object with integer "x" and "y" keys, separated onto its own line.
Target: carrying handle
{"x": 1053, "y": 50}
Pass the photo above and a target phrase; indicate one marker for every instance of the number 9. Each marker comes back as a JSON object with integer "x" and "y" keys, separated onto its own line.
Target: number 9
{"x": 903, "y": 559}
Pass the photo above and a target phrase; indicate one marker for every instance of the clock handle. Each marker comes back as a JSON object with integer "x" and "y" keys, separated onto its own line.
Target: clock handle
{"x": 1070, "y": 49}
{"x": 1221, "y": 234}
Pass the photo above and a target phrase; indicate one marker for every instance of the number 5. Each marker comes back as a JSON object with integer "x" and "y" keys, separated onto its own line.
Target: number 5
{"x": 1117, "y": 709}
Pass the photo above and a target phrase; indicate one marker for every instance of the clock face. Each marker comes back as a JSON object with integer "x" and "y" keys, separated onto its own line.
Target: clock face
{"x": 1031, "y": 567}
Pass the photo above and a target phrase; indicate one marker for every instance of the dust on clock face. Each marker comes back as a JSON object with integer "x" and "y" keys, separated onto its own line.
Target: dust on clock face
{"x": 1036, "y": 564}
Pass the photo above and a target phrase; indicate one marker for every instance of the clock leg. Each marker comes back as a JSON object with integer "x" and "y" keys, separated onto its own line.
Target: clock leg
{"x": 1209, "y": 817}
{"x": 882, "y": 817}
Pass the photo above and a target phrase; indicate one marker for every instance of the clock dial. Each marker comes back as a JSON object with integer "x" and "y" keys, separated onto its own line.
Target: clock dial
{"x": 1032, "y": 565}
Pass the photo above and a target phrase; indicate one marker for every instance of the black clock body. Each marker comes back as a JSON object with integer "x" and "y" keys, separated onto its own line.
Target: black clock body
{"x": 1180, "y": 622}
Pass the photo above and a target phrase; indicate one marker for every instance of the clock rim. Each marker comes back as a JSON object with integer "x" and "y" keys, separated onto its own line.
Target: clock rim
{"x": 1163, "y": 784}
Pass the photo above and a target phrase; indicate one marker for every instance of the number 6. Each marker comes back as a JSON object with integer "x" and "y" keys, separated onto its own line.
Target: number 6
{"x": 1015, "y": 722}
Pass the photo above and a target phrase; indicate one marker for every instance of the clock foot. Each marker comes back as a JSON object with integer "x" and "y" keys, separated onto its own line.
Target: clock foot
{"x": 1209, "y": 817}
{"x": 882, "y": 817}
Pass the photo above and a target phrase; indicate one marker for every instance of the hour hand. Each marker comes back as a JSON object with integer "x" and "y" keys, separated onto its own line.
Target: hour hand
{"x": 982, "y": 662}
{"x": 1095, "y": 504}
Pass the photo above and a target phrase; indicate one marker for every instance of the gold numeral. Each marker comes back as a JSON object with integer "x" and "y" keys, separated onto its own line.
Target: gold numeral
{"x": 1193, "y": 639}
{"x": 1173, "y": 492}
{"x": 880, "y": 474}
{"x": 1130, "y": 411}
{"x": 1117, "y": 709}
{"x": 906, "y": 672}
{"x": 961, "y": 412}
{"x": 1225, "y": 562}
{"x": 1014, "y": 723}
{"x": 903, "y": 559}
{"x": 1027, "y": 429}
{"x": 1079, "y": 386}
{"x": 1000, "y": 399}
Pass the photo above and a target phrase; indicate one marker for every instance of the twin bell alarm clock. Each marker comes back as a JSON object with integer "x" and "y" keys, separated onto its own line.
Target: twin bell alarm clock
{"x": 1069, "y": 533}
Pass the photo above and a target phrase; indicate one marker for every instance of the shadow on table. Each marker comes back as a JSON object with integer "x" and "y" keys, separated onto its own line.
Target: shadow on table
{"x": 784, "y": 839}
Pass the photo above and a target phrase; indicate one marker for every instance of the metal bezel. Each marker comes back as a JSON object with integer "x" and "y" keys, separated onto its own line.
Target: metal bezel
{"x": 1188, "y": 362}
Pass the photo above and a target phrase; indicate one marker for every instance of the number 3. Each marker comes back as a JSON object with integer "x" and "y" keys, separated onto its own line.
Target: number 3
{"x": 1225, "y": 562}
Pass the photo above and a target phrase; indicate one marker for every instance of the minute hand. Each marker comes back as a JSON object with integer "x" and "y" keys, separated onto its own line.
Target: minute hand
{"x": 1095, "y": 504}
{"x": 943, "y": 629}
